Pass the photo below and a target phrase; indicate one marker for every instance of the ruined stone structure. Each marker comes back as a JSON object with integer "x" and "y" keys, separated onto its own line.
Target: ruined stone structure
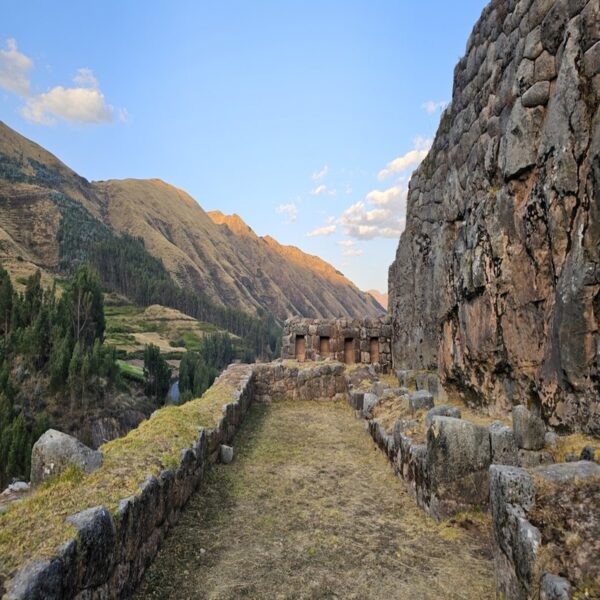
{"x": 349, "y": 341}
{"x": 496, "y": 278}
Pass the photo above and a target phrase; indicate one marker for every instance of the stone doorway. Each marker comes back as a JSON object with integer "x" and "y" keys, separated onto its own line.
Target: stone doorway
{"x": 349, "y": 358}
{"x": 374, "y": 350}
{"x": 324, "y": 347}
{"x": 300, "y": 352}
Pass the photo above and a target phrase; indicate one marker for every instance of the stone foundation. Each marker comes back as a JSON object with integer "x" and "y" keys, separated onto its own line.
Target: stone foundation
{"x": 348, "y": 341}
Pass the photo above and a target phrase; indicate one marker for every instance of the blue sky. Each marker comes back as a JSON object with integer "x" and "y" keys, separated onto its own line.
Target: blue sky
{"x": 302, "y": 117}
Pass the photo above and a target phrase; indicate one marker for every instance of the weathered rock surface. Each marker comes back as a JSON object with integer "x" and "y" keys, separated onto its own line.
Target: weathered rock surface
{"x": 497, "y": 275}
{"x": 420, "y": 400}
{"x": 55, "y": 451}
{"x": 529, "y": 429}
{"x": 443, "y": 410}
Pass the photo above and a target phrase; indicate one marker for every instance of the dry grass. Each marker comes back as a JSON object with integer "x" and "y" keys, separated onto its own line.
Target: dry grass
{"x": 34, "y": 527}
{"x": 574, "y": 444}
{"x": 311, "y": 509}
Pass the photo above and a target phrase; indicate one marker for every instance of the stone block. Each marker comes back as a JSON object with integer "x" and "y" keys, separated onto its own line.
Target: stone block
{"x": 529, "y": 429}
{"x": 420, "y": 400}
{"x": 369, "y": 401}
{"x": 503, "y": 445}
{"x": 537, "y": 95}
{"x": 225, "y": 454}
{"x": 553, "y": 587}
{"x": 443, "y": 410}
{"x": 95, "y": 545}
{"x": 458, "y": 459}
{"x": 534, "y": 458}
{"x": 356, "y": 399}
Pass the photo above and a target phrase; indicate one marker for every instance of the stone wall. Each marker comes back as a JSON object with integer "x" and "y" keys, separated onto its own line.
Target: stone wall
{"x": 111, "y": 552}
{"x": 287, "y": 380}
{"x": 546, "y": 531}
{"x": 349, "y": 341}
{"x": 496, "y": 280}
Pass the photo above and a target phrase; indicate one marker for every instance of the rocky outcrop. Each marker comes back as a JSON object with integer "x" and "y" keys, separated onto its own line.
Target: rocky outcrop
{"x": 55, "y": 451}
{"x": 497, "y": 276}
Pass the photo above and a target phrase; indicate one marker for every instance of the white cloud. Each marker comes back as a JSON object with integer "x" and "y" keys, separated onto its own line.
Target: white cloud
{"x": 412, "y": 158}
{"x": 320, "y": 173}
{"x": 381, "y": 214}
{"x": 323, "y": 189}
{"x": 84, "y": 103}
{"x": 432, "y": 107}
{"x": 325, "y": 230}
{"x": 14, "y": 69}
{"x": 290, "y": 211}
{"x": 346, "y": 243}
{"x": 352, "y": 252}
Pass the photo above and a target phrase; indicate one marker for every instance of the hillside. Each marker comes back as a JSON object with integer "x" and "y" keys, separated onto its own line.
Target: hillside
{"x": 380, "y": 297}
{"x": 207, "y": 254}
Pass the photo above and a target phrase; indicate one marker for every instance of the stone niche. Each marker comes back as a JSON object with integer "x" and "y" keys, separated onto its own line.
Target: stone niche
{"x": 349, "y": 341}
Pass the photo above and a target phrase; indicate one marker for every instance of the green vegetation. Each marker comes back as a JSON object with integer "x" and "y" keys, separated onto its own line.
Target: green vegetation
{"x": 198, "y": 370}
{"x": 130, "y": 371}
{"x": 58, "y": 341}
{"x": 157, "y": 374}
{"x": 35, "y": 527}
{"x": 125, "y": 266}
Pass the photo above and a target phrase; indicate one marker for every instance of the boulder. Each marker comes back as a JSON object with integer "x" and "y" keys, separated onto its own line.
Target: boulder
{"x": 529, "y": 429}
{"x": 55, "y": 451}
{"x": 553, "y": 587}
{"x": 443, "y": 410}
{"x": 420, "y": 400}
{"x": 225, "y": 454}
{"x": 588, "y": 453}
{"x": 503, "y": 445}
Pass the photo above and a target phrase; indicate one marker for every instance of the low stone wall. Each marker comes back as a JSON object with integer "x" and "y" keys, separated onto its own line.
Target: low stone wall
{"x": 348, "y": 341}
{"x": 111, "y": 552}
{"x": 289, "y": 380}
{"x": 546, "y": 531}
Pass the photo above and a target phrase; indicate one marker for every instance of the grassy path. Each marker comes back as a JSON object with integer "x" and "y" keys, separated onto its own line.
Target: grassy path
{"x": 311, "y": 509}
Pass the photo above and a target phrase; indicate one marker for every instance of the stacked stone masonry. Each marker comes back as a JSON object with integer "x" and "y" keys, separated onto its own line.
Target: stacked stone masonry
{"x": 348, "y": 341}
{"x": 452, "y": 470}
{"x": 496, "y": 279}
{"x": 546, "y": 520}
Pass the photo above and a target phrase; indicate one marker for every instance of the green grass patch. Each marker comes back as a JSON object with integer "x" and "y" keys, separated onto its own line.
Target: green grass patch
{"x": 130, "y": 371}
{"x": 35, "y": 527}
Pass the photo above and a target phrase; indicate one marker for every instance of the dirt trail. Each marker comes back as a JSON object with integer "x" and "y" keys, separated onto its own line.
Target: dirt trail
{"x": 311, "y": 509}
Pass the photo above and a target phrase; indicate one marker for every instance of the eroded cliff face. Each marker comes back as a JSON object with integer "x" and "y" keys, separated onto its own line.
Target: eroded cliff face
{"x": 496, "y": 280}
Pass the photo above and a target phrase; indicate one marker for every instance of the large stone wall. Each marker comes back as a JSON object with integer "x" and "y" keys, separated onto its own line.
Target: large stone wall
{"x": 111, "y": 552}
{"x": 349, "y": 341}
{"x": 496, "y": 280}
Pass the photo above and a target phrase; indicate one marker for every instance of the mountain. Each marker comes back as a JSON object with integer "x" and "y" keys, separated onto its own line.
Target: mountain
{"x": 381, "y": 297}
{"x": 496, "y": 278}
{"x": 215, "y": 256}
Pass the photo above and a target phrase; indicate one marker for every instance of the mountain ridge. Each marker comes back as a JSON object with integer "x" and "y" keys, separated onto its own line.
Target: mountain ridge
{"x": 224, "y": 260}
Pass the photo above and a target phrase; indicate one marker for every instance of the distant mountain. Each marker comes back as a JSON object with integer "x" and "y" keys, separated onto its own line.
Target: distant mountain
{"x": 211, "y": 254}
{"x": 380, "y": 297}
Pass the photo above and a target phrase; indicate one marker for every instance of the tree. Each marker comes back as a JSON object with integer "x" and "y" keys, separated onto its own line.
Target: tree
{"x": 6, "y": 302}
{"x": 157, "y": 373}
{"x": 85, "y": 305}
{"x": 75, "y": 371}
{"x": 19, "y": 454}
